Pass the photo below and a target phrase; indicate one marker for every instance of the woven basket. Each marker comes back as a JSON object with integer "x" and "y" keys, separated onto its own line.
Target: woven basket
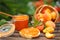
{"x": 39, "y": 9}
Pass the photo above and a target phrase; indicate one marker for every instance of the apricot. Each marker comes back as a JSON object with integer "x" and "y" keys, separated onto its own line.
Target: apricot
{"x": 48, "y": 29}
{"x": 53, "y": 14}
{"x": 50, "y": 24}
{"x": 49, "y": 35}
{"x": 47, "y": 17}
{"x": 41, "y": 27}
{"x": 48, "y": 11}
{"x": 29, "y": 32}
{"x": 39, "y": 16}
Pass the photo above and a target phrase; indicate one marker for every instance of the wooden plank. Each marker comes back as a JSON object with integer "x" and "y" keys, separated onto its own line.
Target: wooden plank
{"x": 16, "y": 36}
{"x": 21, "y": 38}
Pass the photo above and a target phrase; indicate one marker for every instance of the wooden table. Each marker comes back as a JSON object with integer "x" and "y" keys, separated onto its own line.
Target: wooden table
{"x": 16, "y": 35}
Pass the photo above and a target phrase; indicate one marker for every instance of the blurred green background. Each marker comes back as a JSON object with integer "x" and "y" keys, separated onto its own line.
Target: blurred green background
{"x": 16, "y": 7}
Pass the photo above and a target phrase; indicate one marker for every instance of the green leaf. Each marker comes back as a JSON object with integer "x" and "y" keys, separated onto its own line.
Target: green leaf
{"x": 31, "y": 9}
{"x": 3, "y": 21}
{"x": 36, "y": 22}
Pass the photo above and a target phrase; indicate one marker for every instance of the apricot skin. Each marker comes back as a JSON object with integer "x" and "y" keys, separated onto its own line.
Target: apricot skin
{"x": 53, "y": 14}
{"x": 49, "y": 35}
{"x": 50, "y": 24}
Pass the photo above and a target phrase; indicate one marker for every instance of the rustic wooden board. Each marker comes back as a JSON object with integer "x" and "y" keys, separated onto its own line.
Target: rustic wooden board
{"x": 16, "y": 35}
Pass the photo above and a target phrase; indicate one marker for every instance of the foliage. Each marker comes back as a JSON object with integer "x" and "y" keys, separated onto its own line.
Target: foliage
{"x": 50, "y": 2}
{"x": 15, "y": 7}
{"x": 3, "y": 21}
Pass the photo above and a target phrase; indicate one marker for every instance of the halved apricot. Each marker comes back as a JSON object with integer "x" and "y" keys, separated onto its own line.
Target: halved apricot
{"x": 29, "y": 32}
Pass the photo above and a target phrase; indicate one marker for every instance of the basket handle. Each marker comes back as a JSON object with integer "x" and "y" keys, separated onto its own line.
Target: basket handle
{"x": 6, "y": 14}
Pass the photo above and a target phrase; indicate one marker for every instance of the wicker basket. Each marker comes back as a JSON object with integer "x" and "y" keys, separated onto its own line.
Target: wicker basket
{"x": 39, "y": 9}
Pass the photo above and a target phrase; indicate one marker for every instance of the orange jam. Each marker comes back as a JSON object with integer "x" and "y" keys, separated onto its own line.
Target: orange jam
{"x": 21, "y": 21}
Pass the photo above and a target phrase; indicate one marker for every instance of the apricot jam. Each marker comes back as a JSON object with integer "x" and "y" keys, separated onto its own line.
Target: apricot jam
{"x": 21, "y": 21}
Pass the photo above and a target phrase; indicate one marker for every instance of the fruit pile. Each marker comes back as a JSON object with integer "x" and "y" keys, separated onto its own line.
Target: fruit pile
{"x": 50, "y": 27}
{"x": 46, "y": 13}
{"x": 48, "y": 16}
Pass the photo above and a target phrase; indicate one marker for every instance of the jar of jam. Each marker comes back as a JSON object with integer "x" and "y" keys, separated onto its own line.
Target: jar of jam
{"x": 21, "y": 21}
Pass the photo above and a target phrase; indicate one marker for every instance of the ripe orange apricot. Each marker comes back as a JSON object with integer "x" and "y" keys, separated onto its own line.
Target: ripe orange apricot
{"x": 50, "y": 24}
{"x": 48, "y": 29}
{"x": 48, "y": 11}
{"x": 53, "y": 14}
{"x": 43, "y": 17}
{"x": 39, "y": 16}
{"x": 47, "y": 17}
{"x": 41, "y": 27}
{"x": 49, "y": 35}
